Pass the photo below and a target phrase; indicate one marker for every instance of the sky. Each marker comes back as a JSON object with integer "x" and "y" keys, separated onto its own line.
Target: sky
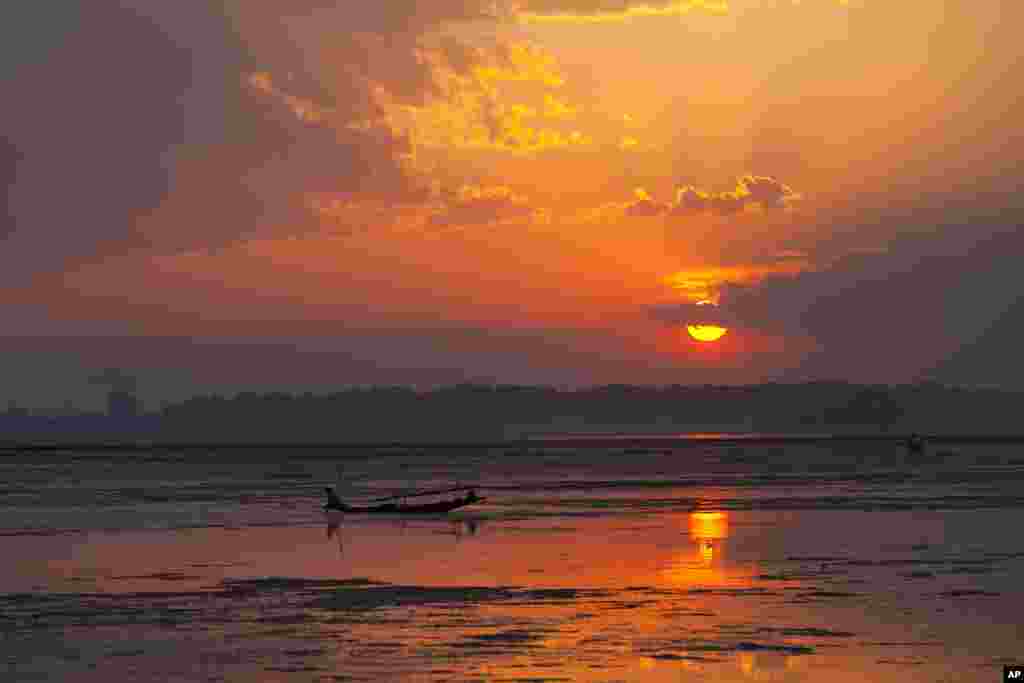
{"x": 235, "y": 195}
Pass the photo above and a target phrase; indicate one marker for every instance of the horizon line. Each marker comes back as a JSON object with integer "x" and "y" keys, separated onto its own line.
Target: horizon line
{"x": 607, "y": 440}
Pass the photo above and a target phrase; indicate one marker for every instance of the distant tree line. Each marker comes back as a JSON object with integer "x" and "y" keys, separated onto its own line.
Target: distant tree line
{"x": 491, "y": 412}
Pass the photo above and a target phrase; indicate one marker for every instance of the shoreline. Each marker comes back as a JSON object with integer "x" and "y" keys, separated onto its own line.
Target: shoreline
{"x": 611, "y": 440}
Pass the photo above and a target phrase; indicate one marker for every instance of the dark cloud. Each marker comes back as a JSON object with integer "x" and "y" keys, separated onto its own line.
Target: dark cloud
{"x": 727, "y": 203}
{"x": 692, "y": 313}
{"x": 905, "y": 312}
{"x": 939, "y": 303}
{"x": 991, "y": 357}
{"x": 31, "y": 31}
{"x": 93, "y": 119}
{"x": 393, "y": 16}
{"x": 9, "y": 158}
{"x": 766, "y": 191}
{"x": 114, "y": 379}
{"x": 349, "y": 49}
{"x": 136, "y": 126}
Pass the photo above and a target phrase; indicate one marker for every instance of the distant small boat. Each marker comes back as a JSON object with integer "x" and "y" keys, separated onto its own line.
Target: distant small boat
{"x": 915, "y": 443}
{"x": 335, "y": 504}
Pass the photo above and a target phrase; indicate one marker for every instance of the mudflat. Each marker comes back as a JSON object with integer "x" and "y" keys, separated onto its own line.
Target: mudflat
{"x": 786, "y": 563}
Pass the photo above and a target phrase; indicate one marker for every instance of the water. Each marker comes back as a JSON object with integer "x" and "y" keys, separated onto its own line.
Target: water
{"x": 718, "y": 561}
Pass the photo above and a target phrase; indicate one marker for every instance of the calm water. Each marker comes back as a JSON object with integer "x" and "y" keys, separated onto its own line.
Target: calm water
{"x": 713, "y": 562}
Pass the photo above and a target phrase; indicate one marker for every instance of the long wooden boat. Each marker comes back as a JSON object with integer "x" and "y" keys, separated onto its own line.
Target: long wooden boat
{"x": 335, "y": 504}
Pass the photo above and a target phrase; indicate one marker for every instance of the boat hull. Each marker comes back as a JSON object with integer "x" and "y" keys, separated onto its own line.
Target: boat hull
{"x": 397, "y": 509}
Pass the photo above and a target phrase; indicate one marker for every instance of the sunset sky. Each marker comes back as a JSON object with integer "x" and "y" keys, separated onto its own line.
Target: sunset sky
{"x": 238, "y": 195}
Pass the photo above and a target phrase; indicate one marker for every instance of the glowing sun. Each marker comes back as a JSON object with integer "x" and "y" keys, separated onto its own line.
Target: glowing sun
{"x": 706, "y": 333}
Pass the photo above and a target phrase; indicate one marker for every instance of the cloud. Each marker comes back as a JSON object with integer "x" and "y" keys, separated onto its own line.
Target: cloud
{"x": 205, "y": 123}
{"x": 693, "y": 313}
{"x": 9, "y": 158}
{"x": 482, "y": 205}
{"x": 555, "y": 108}
{"x": 506, "y": 100}
{"x": 727, "y": 203}
{"x": 645, "y": 206}
{"x": 604, "y": 11}
{"x": 304, "y": 109}
{"x": 114, "y": 379}
{"x": 766, "y": 191}
{"x": 459, "y": 57}
{"x": 690, "y": 200}
{"x": 91, "y": 116}
{"x": 330, "y": 151}
{"x": 628, "y": 142}
{"x": 474, "y": 205}
{"x": 933, "y": 304}
{"x": 708, "y": 283}
{"x": 611, "y": 11}
{"x": 751, "y": 190}
{"x": 763, "y": 191}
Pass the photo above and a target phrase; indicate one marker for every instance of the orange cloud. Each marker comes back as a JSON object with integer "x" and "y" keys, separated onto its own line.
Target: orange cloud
{"x": 475, "y": 205}
{"x": 707, "y": 283}
{"x": 605, "y": 11}
{"x": 751, "y": 190}
{"x": 555, "y": 108}
{"x": 523, "y": 62}
{"x": 496, "y": 104}
{"x": 611, "y": 11}
{"x": 763, "y": 191}
{"x": 689, "y": 198}
{"x": 645, "y": 205}
{"x": 766, "y": 191}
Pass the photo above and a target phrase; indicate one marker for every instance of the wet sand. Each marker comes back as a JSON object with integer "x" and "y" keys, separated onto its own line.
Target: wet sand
{"x": 604, "y": 591}
{"x": 726, "y": 562}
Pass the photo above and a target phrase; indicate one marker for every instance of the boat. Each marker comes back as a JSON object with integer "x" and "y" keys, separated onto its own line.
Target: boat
{"x": 915, "y": 444}
{"x": 335, "y": 504}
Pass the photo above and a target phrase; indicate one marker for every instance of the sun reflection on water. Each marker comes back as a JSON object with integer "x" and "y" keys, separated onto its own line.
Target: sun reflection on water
{"x": 705, "y": 529}
{"x": 709, "y": 526}
{"x": 703, "y": 564}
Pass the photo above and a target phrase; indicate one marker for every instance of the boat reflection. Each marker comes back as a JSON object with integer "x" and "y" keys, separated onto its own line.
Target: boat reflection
{"x": 459, "y": 528}
{"x": 334, "y": 520}
{"x": 464, "y": 527}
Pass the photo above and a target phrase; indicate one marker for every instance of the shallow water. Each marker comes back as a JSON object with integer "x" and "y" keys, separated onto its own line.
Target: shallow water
{"x": 721, "y": 563}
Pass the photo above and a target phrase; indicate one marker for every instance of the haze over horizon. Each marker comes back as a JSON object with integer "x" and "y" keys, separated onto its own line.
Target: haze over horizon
{"x": 234, "y": 196}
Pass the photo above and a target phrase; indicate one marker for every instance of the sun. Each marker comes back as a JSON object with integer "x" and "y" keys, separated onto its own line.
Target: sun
{"x": 706, "y": 333}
